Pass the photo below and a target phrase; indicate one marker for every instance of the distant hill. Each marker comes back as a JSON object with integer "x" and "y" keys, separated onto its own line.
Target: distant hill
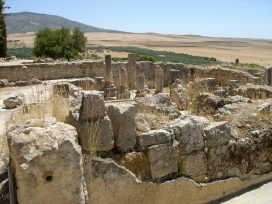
{"x": 31, "y": 22}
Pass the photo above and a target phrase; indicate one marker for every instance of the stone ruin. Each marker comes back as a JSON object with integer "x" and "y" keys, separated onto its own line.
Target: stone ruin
{"x": 146, "y": 133}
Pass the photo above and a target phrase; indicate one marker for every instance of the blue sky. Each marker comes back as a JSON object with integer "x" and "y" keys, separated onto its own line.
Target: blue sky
{"x": 225, "y": 18}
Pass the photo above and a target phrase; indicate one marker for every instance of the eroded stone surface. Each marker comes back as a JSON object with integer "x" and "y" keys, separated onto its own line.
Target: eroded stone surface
{"x": 162, "y": 160}
{"x": 122, "y": 117}
{"x": 153, "y": 137}
{"x": 137, "y": 163}
{"x": 13, "y": 102}
{"x": 44, "y": 159}
{"x": 142, "y": 125}
{"x": 93, "y": 106}
{"x": 179, "y": 95}
{"x": 97, "y": 135}
{"x": 195, "y": 165}
{"x": 217, "y": 133}
{"x": 189, "y": 133}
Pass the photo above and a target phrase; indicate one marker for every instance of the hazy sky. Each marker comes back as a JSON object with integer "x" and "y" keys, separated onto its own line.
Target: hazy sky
{"x": 226, "y": 18}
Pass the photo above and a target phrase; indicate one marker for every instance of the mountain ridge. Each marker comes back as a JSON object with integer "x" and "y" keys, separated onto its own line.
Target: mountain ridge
{"x": 24, "y": 22}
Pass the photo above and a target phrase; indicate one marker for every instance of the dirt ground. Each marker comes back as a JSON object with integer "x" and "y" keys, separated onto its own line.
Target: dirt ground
{"x": 224, "y": 49}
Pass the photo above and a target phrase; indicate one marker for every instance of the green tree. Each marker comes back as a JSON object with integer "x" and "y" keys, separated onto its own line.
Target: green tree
{"x": 3, "y": 30}
{"x": 61, "y": 43}
{"x": 79, "y": 40}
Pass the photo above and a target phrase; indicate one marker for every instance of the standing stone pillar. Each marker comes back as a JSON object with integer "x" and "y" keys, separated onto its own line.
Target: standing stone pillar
{"x": 172, "y": 76}
{"x": 109, "y": 86}
{"x": 158, "y": 79}
{"x": 122, "y": 78}
{"x": 140, "y": 86}
{"x": 108, "y": 69}
{"x": 132, "y": 71}
{"x": 123, "y": 92}
{"x": 268, "y": 76}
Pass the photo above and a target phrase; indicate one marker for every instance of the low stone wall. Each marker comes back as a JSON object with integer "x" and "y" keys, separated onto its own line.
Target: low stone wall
{"x": 49, "y": 71}
{"x": 122, "y": 186}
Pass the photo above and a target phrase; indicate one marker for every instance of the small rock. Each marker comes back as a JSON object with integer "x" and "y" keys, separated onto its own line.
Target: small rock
{"x": 265, "y": 108}
{"x": 3, "y": 83}
{"x": 142, "y": 125}
{"x": 13, "y": 102}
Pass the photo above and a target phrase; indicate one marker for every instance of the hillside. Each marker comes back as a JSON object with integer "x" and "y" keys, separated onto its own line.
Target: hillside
{"x": 31, "y": 22}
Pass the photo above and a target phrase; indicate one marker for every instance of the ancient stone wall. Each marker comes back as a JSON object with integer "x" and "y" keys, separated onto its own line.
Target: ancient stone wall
{"x": 47, "y": 71}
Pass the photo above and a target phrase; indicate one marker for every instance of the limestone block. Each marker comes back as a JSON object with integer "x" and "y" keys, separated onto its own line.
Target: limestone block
{"x": 122, "y": 117}
{"x": 153, "y": 137}
{"x": 137, "y": 163}
{"x": 13, "y": 102}
{"x": 96, "y": 136}
{"x": 162, "y": 160}
{"x": 189, "y": 132}
{"x": 218, "y": 133}
{"x": 47, "y": 163}
{"x": 196, "y": 166}
{"x": 93, "y": 106}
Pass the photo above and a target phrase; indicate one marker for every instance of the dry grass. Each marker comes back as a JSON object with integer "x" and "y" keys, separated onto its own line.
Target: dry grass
{"x": 225, "y": 49}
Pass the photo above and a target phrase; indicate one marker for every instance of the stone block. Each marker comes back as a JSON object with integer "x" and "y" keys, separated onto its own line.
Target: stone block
{"x": 153, "y": 137}
{"x": 217, "y": 133}
{"x": 189, "y": 132}
{"x": 162, "y": 160}
{"x": 92, "y": 106}
{"x": 96, "y": 136}
{"x": 137, "y": 163}
{"x": 47, "y": 163}
{"x": 13, "y": 102}
{"x": 195, "y": 165}
{"x": 122, "y": 117}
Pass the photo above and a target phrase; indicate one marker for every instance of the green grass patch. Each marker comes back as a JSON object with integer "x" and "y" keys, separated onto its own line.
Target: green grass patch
{"x": 25, "y": 53}
{"x": 247, "y": 65}
{"x": 143, "y": 54}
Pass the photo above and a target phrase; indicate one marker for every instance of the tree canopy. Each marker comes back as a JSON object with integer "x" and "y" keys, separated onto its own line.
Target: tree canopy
{"x": 3, "y": 30}
{"x": 61, "y": 43}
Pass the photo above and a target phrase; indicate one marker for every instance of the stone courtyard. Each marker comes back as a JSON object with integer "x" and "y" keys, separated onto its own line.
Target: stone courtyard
{"x": 135, "y": 132}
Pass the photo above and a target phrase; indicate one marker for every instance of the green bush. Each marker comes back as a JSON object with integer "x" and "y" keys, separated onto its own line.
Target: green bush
{"x": 61, "y": 43}
{"x": 25, "y": 53}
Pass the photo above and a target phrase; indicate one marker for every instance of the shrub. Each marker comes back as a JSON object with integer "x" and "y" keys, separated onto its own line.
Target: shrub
{"x": 61, "y": 43}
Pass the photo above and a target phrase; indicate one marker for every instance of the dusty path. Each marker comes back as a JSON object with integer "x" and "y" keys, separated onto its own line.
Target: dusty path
{"x": 261, "y": 195}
